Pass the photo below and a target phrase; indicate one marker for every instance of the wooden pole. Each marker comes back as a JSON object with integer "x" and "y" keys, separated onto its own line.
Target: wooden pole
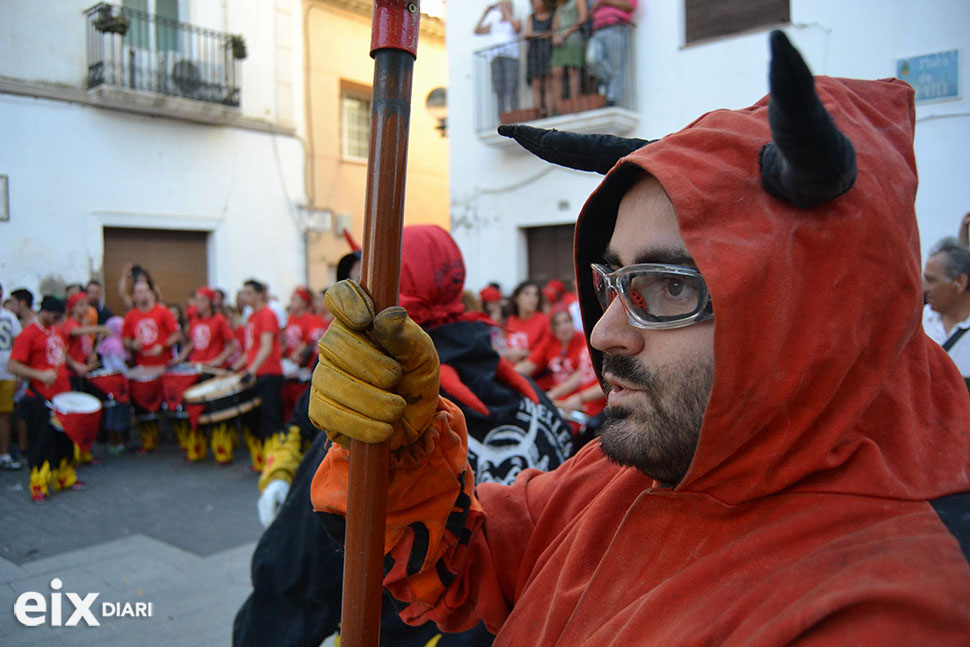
{"x": 394, "y": 39}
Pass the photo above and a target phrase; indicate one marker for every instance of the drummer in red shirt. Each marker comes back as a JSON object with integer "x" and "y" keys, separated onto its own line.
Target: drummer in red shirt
{"x": 149, "y": 332}
{"x": 79, "y": 337}
{"x": 262, "y": 361}
{"x": 303, "y": 328}
{"x": 38, "y": 356}
{"x": 211, "y": 339}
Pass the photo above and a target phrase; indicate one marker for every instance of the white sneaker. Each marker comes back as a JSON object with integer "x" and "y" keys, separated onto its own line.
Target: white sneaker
{"x": 8, "y": 463}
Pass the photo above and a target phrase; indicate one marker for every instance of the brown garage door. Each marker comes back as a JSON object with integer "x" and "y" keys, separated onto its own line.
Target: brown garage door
{"x": 175, "y": 259}
{"x": 550, "y": 253}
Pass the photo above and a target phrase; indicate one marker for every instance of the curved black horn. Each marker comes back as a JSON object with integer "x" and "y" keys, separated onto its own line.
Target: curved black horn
{"x": 597, "y": 153}
{"x": 809, "y": 160}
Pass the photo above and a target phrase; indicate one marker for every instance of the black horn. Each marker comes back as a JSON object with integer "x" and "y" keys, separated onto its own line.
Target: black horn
{"x": 597, "y": 153}
{"x": 809, "y": 161}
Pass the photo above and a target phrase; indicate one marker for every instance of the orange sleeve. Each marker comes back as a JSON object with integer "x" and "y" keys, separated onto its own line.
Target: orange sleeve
{"x": 446, "y": 561}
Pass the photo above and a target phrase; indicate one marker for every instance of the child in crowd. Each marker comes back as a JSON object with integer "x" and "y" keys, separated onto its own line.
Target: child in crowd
{"x": 116, "y": 415}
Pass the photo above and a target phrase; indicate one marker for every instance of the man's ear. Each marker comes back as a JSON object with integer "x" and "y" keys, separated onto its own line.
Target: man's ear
{"x": 962, "y": 281}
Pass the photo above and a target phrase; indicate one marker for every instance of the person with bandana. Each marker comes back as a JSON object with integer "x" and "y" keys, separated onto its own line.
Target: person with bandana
{"x": 784, "y": 453}
{"x": 512, "y": 427}
{"x": 38, "y": 357}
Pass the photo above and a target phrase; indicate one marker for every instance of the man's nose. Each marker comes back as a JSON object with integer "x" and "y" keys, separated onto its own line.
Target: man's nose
{"x": 613, "y": 333}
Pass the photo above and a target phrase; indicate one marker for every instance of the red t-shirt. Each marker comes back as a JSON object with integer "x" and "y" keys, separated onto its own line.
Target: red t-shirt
{"x": 262, "y": 321}
{"x": 295, "y": 332}
{"x": 42, "y": 349}
{"x": 561, "y": 362}
{"x": 526, "y": 334}
{"x": 152, "y": 328}
{"x": 209, "y": 337}
{"x": 79, "y": 347}
{"x": 317, "y": 326}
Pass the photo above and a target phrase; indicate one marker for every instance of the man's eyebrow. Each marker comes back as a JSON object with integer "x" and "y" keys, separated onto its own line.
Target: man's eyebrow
{"x": 669, "y": 256}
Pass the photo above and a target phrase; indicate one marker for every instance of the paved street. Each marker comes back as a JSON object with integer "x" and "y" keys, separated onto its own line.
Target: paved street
{"x": 149, "y": 529}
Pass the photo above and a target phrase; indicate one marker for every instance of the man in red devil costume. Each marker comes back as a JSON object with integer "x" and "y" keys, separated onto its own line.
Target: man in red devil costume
{"x": 785, "y": 454}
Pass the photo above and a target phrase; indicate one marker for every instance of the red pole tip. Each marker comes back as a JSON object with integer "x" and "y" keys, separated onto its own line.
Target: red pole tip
{"x": 395, "y": 26}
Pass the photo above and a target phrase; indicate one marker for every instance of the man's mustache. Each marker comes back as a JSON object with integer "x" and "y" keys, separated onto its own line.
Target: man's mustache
{"x": 629, "y": 370}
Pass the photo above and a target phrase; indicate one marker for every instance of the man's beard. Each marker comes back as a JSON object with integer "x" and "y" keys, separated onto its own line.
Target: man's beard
{"x": 659, "y": 438}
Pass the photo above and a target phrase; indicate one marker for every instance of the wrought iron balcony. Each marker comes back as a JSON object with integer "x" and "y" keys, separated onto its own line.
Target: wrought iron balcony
{"x": 504, "y": 94}
{"x": 133, "y": 50}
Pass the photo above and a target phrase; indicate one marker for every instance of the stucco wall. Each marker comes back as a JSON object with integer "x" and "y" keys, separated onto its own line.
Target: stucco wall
{"x": 495, "y": 192}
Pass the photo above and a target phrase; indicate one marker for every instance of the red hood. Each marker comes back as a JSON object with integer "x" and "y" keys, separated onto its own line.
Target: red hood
{"x": 823, "y": 378}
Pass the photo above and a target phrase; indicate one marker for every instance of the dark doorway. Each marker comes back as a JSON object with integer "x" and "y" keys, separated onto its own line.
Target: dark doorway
{"x": 550, "y": 253}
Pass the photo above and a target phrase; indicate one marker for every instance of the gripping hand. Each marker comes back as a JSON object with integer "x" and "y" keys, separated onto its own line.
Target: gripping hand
{"x": 377, "y": 378}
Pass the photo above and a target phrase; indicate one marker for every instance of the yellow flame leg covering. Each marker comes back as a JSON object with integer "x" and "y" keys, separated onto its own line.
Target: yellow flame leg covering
{"x": 82, "y": 458}
{"x": 181, "y": 429}
{"x": 255, "y": 451}
{"x": 195, "y": 445}
{"x": 40, "y": 479}
{"x": 222, "y": 443}
{"x": 64, "y": 475}
{"x": 149, "y": 435}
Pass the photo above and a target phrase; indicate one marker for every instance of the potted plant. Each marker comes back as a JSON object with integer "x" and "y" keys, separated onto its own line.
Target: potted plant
{"x": 238, "y": 46}
{"x": 107, "y": 22}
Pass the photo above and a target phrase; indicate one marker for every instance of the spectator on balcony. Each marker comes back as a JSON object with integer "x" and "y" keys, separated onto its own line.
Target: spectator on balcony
{"x": 607, "y": 51}
{"x": 499, "y": 23}
{"x": 568, "y": 46}
{"x": 538, "y": 31}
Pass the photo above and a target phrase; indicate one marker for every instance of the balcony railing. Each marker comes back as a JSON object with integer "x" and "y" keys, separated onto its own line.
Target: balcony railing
{"x": 134, "y": 50}
{"x": 505, "y": 94}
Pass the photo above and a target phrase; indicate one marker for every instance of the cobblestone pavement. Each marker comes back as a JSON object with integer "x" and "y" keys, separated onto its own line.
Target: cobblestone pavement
{"x": 150, "y": 528}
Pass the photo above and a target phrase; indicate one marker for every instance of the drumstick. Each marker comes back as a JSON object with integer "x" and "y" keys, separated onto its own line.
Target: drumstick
{"x": 394, "y": 41}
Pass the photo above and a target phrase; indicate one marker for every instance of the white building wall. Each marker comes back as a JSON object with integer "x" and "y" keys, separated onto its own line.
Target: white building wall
{"x": 74, "y": 167}
{"x": 497, "y": 191}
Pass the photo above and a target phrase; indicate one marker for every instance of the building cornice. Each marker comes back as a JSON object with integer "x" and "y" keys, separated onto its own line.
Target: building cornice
{"x": 143, "y": 103}
{"x": 430, "y": 26}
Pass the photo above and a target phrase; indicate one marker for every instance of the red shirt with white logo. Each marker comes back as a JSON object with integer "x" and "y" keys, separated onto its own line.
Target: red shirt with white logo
{"x": 526, "y": 334}
{"x": 209, "y": 337}
{"x": 295, "y": 332}
{"x": 262, "y": 321}
{"x": 43, "y": 349}
{"x": 79, "y": 347}
{"x": 561, "y": 361}
{"x": 152, "y": 328}
{"x": 318, "y": 326}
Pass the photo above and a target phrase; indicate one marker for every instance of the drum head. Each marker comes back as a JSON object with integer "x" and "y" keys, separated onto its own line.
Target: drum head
{"x": 103, "y": 372}
{"x": 184, "y": 369}
{"x": 75, "y": 402}
{"x": 212, "y": 389}
{"x": 145, "y": 373}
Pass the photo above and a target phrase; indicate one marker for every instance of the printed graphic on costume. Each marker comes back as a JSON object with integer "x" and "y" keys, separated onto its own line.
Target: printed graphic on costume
{"x": 508, "y": 449}
{"x": 292, "y": 337}
{"x": 201, "y": 336}
{"x": 55, "y": 350}
{"x": 146, "y": 332}
{"x": 449, "y": 277}
{"x": 6, "y": 334}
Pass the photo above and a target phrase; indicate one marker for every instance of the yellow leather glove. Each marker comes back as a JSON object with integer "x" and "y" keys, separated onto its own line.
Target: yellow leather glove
{"x": 377, "y": 386}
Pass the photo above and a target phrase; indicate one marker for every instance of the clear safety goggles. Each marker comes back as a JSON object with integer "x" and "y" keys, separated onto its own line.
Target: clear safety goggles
{"x": 655, "y": 296}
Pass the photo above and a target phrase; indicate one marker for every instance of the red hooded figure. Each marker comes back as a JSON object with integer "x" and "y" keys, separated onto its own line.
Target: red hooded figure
{"x": 820, "y": 503}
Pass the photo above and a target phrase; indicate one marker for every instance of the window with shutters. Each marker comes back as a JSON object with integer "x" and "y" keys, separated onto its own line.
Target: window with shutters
{"x": 707, "y": 19}
{"x": 354, "y": 122}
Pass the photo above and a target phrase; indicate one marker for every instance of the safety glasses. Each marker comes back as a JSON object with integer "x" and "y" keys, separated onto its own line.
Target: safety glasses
{"x": 655, "y": 296}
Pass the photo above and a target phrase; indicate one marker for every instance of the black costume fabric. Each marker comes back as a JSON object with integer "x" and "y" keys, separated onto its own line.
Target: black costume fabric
{"x": 297, "y": 568}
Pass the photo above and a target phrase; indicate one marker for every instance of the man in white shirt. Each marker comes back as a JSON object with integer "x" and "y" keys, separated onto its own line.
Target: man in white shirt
{"x": 946, "y": 316}
{"x": 9, "y": 329}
